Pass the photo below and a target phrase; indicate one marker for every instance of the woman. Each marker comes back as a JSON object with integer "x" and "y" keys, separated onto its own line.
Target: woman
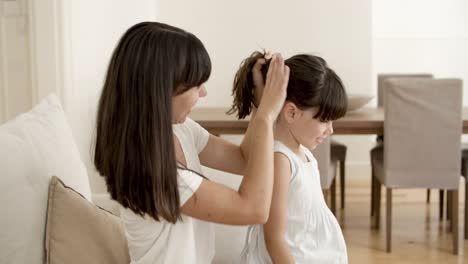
{"x": 150, "y": 153}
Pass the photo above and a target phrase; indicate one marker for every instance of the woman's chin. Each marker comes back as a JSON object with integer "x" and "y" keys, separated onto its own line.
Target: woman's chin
{"x": 179, "y": 121}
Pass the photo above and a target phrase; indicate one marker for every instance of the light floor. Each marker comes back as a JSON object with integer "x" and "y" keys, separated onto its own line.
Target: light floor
{"x": 418, "y": 235}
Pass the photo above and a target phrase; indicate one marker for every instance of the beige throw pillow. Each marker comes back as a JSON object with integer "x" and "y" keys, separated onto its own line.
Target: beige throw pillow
{"x": 78, "y": 231}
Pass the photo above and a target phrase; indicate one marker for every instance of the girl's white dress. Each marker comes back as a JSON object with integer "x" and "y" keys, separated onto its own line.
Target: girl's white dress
{"x": 313, "y": 233}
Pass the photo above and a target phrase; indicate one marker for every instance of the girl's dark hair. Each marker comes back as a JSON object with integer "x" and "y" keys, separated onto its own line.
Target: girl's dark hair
{"x": 134, "y": 143}
{"x": 311, "y": 84}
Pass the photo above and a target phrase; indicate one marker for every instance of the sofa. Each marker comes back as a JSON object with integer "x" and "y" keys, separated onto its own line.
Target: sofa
{"x": 49, "y": 213}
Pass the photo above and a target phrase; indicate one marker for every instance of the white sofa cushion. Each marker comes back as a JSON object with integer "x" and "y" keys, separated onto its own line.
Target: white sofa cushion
{"x": 33, "y": 147}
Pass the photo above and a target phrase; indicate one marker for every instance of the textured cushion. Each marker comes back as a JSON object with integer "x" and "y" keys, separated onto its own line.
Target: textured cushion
{"x": 423, "y": 125}
{"x": 382, "y": 77}
{"x": 326, "y": 166}
{"x": 33, "y": 147}
{"x": 80, "y": 232}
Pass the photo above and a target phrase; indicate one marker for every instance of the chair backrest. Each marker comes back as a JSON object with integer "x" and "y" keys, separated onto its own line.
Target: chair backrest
{"x": 423, "y": 126}
{"x": 382, "y": 77}
{"x": 322, "y": 155}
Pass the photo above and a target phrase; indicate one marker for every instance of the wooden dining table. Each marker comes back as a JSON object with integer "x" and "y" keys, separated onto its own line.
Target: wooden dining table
{"x": 364, "y": 121}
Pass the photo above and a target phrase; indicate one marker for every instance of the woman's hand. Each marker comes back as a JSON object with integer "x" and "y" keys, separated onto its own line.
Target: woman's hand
{"x": 274, "y": 92}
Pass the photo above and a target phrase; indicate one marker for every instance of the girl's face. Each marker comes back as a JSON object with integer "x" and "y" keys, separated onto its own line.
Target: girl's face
{"x": 183, "y": 103}
{"x": 310, "y": 132}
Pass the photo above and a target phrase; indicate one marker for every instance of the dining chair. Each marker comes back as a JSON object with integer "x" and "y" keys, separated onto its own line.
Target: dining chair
{"x": 380, "y": 103}
{"x": 327, "y": 168}
{"x": 382, "y": 77}
{"x": 338, "y": 158}
{"x": 419, "y": 112}
{"x": 465, "y": 174}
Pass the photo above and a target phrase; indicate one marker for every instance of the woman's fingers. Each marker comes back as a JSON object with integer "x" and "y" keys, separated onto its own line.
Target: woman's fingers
{"x": 258, "y": 64}
{"x": 286, "y": 76}
{"x": 275, "y": 71}
{"x": 275, "y": 65}
{"x": 275, "y": 86}
{"x": 257, "y": 74}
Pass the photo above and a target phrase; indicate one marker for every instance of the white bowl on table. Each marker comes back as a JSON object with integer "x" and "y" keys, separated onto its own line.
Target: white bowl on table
{"x": 356, "y": 101}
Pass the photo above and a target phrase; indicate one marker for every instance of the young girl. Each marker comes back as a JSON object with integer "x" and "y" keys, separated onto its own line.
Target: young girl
{"x": 300, "y": 228}
{"x": 150, "y": 153}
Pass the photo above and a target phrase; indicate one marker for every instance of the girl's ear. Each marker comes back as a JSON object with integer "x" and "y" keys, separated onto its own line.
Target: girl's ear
{"x": 290, "y": 112}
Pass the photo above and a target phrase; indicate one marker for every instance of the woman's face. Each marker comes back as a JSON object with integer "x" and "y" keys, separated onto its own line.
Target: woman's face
{"x": 183, "y": 103}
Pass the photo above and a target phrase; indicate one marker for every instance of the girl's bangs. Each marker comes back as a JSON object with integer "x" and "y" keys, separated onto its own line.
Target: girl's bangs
{"x": 333, "y": 101}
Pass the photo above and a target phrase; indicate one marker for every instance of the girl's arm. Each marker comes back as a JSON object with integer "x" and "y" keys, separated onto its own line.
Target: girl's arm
{"x": 275, "y": 227}
{"x": 251, "y": 203}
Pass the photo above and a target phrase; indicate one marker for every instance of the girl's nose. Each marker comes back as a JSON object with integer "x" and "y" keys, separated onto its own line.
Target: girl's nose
{"x": 330, "y": 127}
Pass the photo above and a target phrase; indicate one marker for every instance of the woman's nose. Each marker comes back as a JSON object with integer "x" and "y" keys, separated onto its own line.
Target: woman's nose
{"x": 202, "y": 92}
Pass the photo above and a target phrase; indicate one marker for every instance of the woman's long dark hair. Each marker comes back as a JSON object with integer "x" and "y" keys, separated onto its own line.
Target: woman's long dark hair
{"x": 134, "y": 149}
{"x": 311, "y": 84}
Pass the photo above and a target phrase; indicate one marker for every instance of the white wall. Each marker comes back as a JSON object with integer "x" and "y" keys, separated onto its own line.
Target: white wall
{"x": 91, "y": 31}
{"x": 79, "y": 37}
{"x": 428, "y": 36}
{"x": 46, "y": 49}
{"x": 424, "y": 36}
{"x": 15, "y": 81}
{"x": 62, "y": 47}
{"x": 72, "y": 42}
{"x": 340, "y": 31}
{"x": 337, "y": 30}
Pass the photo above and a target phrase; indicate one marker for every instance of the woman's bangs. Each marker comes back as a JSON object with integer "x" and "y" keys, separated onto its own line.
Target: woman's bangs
{"x": 198, "y": 65}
